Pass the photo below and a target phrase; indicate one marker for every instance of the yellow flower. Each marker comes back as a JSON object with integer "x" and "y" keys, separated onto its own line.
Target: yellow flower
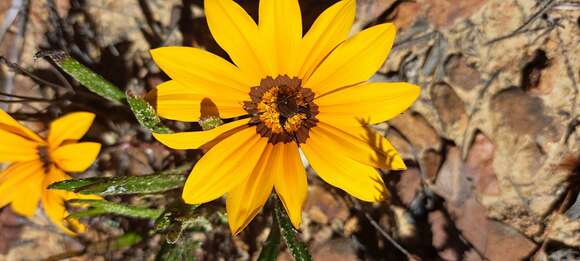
{"x": 305, "y": 93}
{"x": 37, "y": 163}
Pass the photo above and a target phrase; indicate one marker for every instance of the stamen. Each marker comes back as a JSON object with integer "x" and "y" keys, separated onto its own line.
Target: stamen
{"x": 44, "y": 156}
{"x": 282, "y": 110}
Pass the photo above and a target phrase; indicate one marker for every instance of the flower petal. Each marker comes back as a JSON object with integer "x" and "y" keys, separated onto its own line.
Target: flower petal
{"x": 14, "y": 176}
{"x": 329, "y": 30}
{"x": 281, "y": 29}
{"x": 7, "y": 123}
{"x": 224, "y": 167}
{"x": 28, "y": 195}
{"x": 359, "y": 143}
{"x": 70, "y": 127}
{"x": 355, "y": 60}
{"x": 246, "y": 199}
{"x": 237, "y": 33}
{"x": 175, "y": 101}
{"x": 369, "y": 102}
{"x": 357, "y": 179}
{"x": 201, "y": 71}
{"x": 290, "y": 180}
{"x": 196, "y": 139}
{"x": 16, "y": 148}
{"x": 76, "y": 157}
{"x": 53, "y": 202}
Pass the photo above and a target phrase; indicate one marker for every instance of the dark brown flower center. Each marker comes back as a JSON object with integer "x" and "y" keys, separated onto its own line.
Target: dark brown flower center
{"x": 44, "y": 156}
{"x": 282, "y": 110}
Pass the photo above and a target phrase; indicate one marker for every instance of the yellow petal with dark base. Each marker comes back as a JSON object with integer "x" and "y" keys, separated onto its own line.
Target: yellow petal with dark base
{"x": 281, "y": 29}
{"x": 176, "y": 101}
{"x": 245, "y": 200}
{"x": 16, "y": 148}
{"x": 355, "y": 60}
{"x": 53, "y": 203}
{"x": 368, "y": 148}
{"x": 237, "y": 33}
{"x": 70, "y": 127}
{"x": 76, "y": 157}
{"x": 329, "y": 30}
{"x": 7, "y": 123}
{"x": 12, "y": 179}
{"x": 369, "y": 102}
{"x": 196, "y": 139}
{"x": 224, "y": 167}
{"x": 334, "y": 167}
{"x": 28, "y": 195}
{"x": 290, "y": 180}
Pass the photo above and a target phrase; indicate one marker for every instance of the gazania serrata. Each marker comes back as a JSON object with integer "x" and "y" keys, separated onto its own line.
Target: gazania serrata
{"x": 36, "y": 163}
{"x": 297, "y": 92}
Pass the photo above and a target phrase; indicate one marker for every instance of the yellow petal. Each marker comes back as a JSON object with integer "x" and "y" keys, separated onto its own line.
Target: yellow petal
{"x": 360, "y": 144}
{"x": 355, "y": 60}
{"x": 290, "y": 180}
{"x": 8, "y": 124}
{"x": 70, "y": 127}
{"x": 178, "y": 102}
{"x": 12, "y": 179}
{"x": 224, "y": 167}
{"x": 28, "y": 194}
{"x": 16, "y": 148}
{"x": 237, "y": 33}
{"x": 76, "y": 157}
{"x": 201, "y": 71}
{"x": 357, "y": 179}
{"x": 329, "y": 30}
{"x": 246, "y": 199}
{"x": 281, "y": 29}
{"x": 53, "y": 203}
{"x": 369, "y": 102}
{"x": 195, "y": 139}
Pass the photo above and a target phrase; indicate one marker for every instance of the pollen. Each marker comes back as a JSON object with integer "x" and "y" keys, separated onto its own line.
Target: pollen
{"x": 282, "y": 109}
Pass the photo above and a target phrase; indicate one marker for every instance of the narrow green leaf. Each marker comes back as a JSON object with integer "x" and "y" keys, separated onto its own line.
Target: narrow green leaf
{"x": 145, "y": 184}
{"x": 182, "y": 250}
{"x": 271, "y": 247}
{"x": 74, "y": 184}
{"x": 102, "y": 207}
{"x": 124, "y": 241}
{"x": 208, "y": 123}
{"x": 84, "y": 75}
{"x": 145, "y": 114}
{"x": 178, "y": 218}
{"x": 297, "y": 247}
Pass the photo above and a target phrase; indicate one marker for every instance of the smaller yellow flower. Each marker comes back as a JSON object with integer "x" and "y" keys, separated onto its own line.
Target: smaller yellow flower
{"x": 37, "y": 163}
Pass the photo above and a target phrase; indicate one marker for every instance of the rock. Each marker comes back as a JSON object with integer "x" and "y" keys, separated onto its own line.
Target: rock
{"x": 462, "y": 74}
{"x": 451, "y": 111}
{"x": 479, "y": 166}
{"x": 323, "y": 207}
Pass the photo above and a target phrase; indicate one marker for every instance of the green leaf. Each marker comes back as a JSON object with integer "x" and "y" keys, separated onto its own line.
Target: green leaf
{"x": 272, "y": 245}
{"x": 297, "y": 247}
{"x": 103, "y": 207}
{"x": 124, "y": 241}
{"x": 182, "y": 250}
{"x": 145, "y": 114}
{"x": 208, "y": 123}
{"x": 178, "y": 218}
{"x": 146, "y": 184}
{"x": 84, "y": 75}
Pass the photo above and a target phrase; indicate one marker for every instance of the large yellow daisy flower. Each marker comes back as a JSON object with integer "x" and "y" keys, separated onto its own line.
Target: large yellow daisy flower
{"x": 307, "y": 93}
{"x": 37, "y": 163}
